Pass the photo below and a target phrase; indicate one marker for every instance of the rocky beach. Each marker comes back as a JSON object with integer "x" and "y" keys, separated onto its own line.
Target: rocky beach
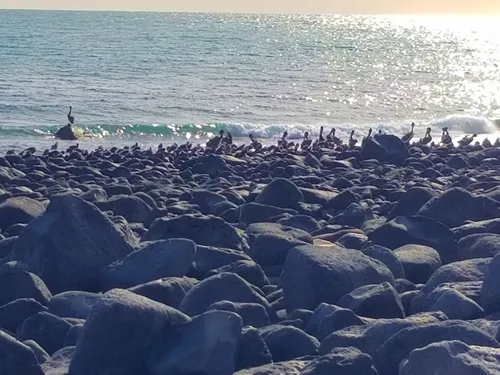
{"x": 379, "y": 259}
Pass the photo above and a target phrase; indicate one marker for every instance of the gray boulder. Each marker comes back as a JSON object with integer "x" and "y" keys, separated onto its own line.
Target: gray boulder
{"x": 209, "y": 258}
{"x": 282, "y": 368}
{"x": 73, "y": 335}
{"x": 374, "y": 301}
{"x": 490, "y": 291}
{"x": 476, "y": 227}
{"x": 252, "y": 314}
{"x": 15, "y": 312}
{"x": 169, "y": 291}
{"x": 417, "y": 230}
{"x": 58, "y": 363}
{"x": 327, "y": 319}
{"x": 411, "y": 202}
{"x": 69, "y": 244}
{"x": 206, "y": 345}
{"x": 341, "y": 361}
{"x": 457, "y": 306}
{"x": 260, "y": 213}
{"x": 16, "y": 284}
{"x": 252, "y": 350}
{"x": 386, "y": 148}
{"x": 40, "y": 354}
{"x": 120, "y": 333}
{"x": 280, "y": 193}
{"x": 203, "y": 230}
{"x": 287, "y": 342}
{"x": 451, "y": 358}
{"x": 154, "y": 260}
{"x": 387, "y": 257}
{"x": 313, "y": 275}
{"x": 481, "y": 245}
{"x": 46, "y": 329}
{"x": 221, "y": 287}
{"x": 247, "y": 269}
{"x": 419, "y": 262}
{"x": 17, "y": 358}
{"x": 400, "y": 345}
{"x": 74, "y": 304}
{"x": 19, "y": 210}
{"x": 134, "y": 209}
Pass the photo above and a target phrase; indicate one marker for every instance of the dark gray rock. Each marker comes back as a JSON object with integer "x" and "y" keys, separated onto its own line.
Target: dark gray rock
{"x": 189, "y": 352}
{"x": 252, "y": 350}
{"x": 490, "y": 291}
{"x": 252, "y": 314}
{"x": 374, "y": 301}
{"x": 355, "y": 215}
{"x": 417, "y": 230}
{"x": 58, "y": 363}
{"x": 6, "y": 246}
{"x": 419, "y": 262}
{"x": 385, "y": 148}
{"x": 211, "y": 203}
{"x": 46, "y": 329}
{"x": 17, "y": 358}
{"x": 411, "y": 202}
{"x": 73, "y": 335}
{"x": 353, "y": 241}
{"x": 209, "y": 258}
{"x": 287, "y": 342}
{"x": 313, "y": 275}
{"x": 484, "y": 226}
{"x": 341, "y": 361}
{"x": 457, "y": 306}
{"x": 369, "y": 337}
{"x": 15, "y": 312}
{"x": 69, "y": 244}
{"x": 19, "y": 210}
{"x": 16, "y": 284}
{"x": 261, "y": 213}
{"x": 74, "y": 304}
{"x": 169, "y": 291}
{"x": 481, "y": 245}
{"x": 303, "y": 222}
{"x": 282, "y": 368}
{"x": 399, "y": 346}
{"x": 221, "y": 287}
{"x": 134, "y": 209}
{"x": 120, "y": 333}
{"x": 450, "y": 358}
{"x": 40, "y": 354}
{"x": 152, "y": 261}
{"x": 387, "y": 257}
{"x": 203, "y": 230}
{"x": 247, "y": 269}
{"x": 327, "y": 319}
{"x": 280, "y": 193}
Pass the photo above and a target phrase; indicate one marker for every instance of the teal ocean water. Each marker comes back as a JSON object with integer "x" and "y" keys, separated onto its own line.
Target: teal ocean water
{"x": 158, "y": 77}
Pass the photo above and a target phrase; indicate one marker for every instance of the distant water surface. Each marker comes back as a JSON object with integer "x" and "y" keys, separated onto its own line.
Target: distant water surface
{"x": 151, "y": 77}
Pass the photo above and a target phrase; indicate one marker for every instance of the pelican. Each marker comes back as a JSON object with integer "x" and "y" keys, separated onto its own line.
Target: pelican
{"x": 486, "y": 143}
{"x": 306, "y": 143}
{"x": 352, "y": 141}
{"x": 54, "y": 146}
{"x": 407, "y": 137}
{"x": 282, "y": 142}
{"x": 368, "y": 136}
{"x": 71, "y": 118}
{"x": 427, "y": 137}
{"x": 465, "y": 141}
{"x": 215, "y": 142}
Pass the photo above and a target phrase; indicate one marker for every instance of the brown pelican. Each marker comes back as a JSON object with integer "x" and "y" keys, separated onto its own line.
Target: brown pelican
{"x": 407, "y": 137}
{"x": 215, "y": 141}
{"x": 71, "y": 118}
{"x": 465, "y": 141}
{"x": 352, "y": 141}
{"x": 306, "y": 143}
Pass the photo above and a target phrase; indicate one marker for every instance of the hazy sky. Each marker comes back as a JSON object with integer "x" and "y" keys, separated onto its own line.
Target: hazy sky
{"x": 271, "y": 6}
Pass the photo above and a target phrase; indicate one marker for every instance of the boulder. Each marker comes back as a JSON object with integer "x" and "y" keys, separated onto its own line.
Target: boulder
{"x": 48, "y": 330}
{"x": 341, "y": 361}
{"x": 386, "y": 148}
{"x": 287, "y": 342}
{"x": 280, "y": 193}
{"x": 211, "y": 203}
{"x": 154, "y": 260}
{"x": 252, "y": 350}
{"x": 354, "y": 215}
{"x": 40, "y": 354}
{"x": 73, "y": 335}
{"x": 261, "y": 213}
{"x": 120, "y": 333}
{"x": 313, "y": 275}
{"x": 203, "y": 230}
{"x": 481, "y": 245}
{"x": 476, "y": 227}
{"x": 303, "y": 222}
{"x": 419, "y": 262}
{"x": 374, "y": 301}
{"x": 456, "y": 273}
{"x": 353, "y": 241}
{"x": 69, "y": 244}
{"x": 457, "y": 306}
{"x": 387, "y": 257}
{"x": 369, "y": 337}
{"x": 74, "y": 304}
{"x": 327, "y": 319}
{"x": 457, "y": 205}
{"x": 209, "y": 258}
{"x": 19, "y": 210}
{"x": 16, "y": 284}
{"x": 252, "y": 314}
{"x": 15, "y": 312}
{"x": 400, "y": 345}
{"x": 206, "y": 345}
{"x": 417, "y": 230}
{"x": 58, "y": 363}
{"x": 282, "y": 368}
{"x": 451, "y": 358}
{"x": 411, "y": 201}
{"x": 6, "y": 245}
{"x": 490, "y": 291}
{"x": 221, "y": 287}
{"x": 169, "y": 291}
{"x": 134, "y": 209}
{"x": 247, "y": 269}
{"x": 17, "y": 358}
{"x": 343, "y": 200}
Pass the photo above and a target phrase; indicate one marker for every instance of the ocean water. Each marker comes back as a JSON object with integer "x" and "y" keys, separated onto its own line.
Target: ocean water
{"x": 163, "y": 77}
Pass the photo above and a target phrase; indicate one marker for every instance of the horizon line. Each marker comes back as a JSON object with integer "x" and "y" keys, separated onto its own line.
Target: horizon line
{"x": 435, "y": 14}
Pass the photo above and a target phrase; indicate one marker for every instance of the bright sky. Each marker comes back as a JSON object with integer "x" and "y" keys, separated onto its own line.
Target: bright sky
{"x": 271, "y": 6}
